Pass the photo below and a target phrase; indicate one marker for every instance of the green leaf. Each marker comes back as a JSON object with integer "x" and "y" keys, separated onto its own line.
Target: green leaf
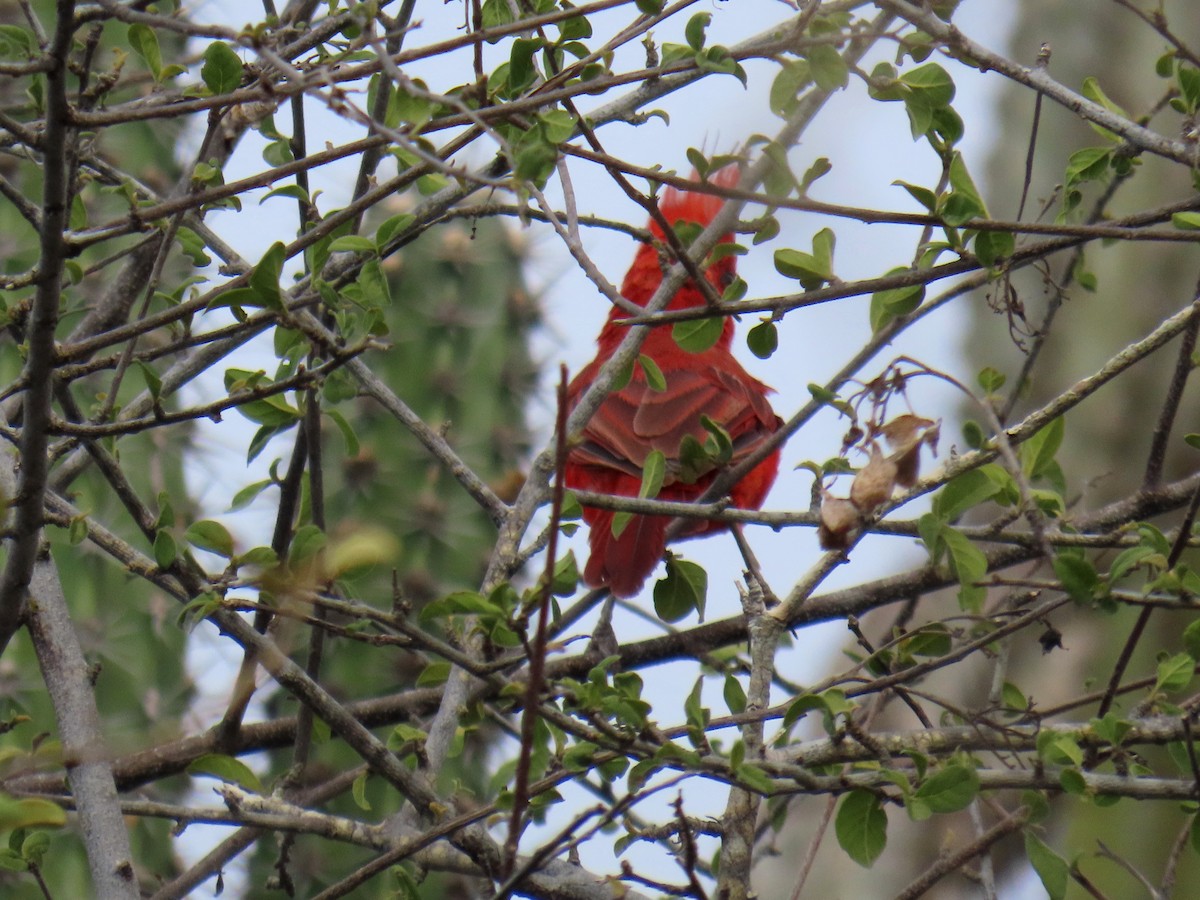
{"x": 1072, "y": 781}
{"x": 933, "y": 82}
{"x": 763, "y": 339}
{"x": 211, "y": 536}
{"x": 247, "y": 495}
{"x": 695, "y": 28}
{"x": 654, "y": 376}
{"x": 1092, "y": 90}
{"x": 1111, "y": 728}
{"x": 827, "y": 67}
{"x": 649, "y": 7}
{"x": 193, "y": 246}
{"x": 1037, "y": 453}
{"x": 264, "y": 280}
{"x": 392, "y": 227}
{"x": 77, "y": 531}
{"x": 521, "y": 70}
{"x": 991, "y": 380}
{"x": 1191, "y": 639}
{"x": 812, "y": 270}
{"x": 290, "y": 191}
{"x": 1174, "y": 673}
{"x": 962, "y": 493}
{"x": 534, "y": 157}
{"x": 654, "y": 469}
{"x": 1188, "y": 78}
{"x": 964, "y": 202}
{"x": 1088, "y": 164}
{"x": 29, "y": 812}
{"x": 307, "y": 542}
{"x": 17, "y": 43}
{"x": 353, "y": 243}
{"x": 698, "y": 335}
{"x": 861, "y": 827}
{"x": 1059, "y": 749}
{"x": 684, "y": 589}
{"x": 165, "y": 549}
{"x": 792, "y": 78}
{"x": 222, "y": 69}
{"x": 969, "y": 564}
{"x": 557, "y": 125}
{"x": 951, "y": 789}
{"x": 892, "y": 304}
{"x": 144, "y": 42}
{"x": 227, "y": 769}
{"x": 459, "y": 603}
{"x": 735, "y": 695}
{"x": 993, "y": 246}
{"x": 1051, "y": 868}
{"x": 358, "y": 790}
{"x": 434, "y": 674}
{"x": 932, "y": 640}
{"x": 1078, "y": 576}
{"x": 1187, "y": 221}
{"x": 755, "y": 778}
{"x": 922, "y": 195}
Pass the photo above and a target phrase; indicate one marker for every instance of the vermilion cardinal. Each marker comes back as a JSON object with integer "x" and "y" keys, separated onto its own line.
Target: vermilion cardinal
{"x": 638, "y": 419}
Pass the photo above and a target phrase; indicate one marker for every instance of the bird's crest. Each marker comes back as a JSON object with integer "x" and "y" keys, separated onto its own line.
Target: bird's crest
{"x": 691, "y": 206}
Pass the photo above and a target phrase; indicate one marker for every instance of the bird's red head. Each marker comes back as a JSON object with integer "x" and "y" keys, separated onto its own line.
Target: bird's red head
{"x": 646, "y": 273}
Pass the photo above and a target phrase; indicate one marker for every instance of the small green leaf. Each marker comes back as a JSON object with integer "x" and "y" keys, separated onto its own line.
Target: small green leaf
{"x": 247, "y": 495}
{"x": 77, "y": 531}
{"x": 264, "y": 280}
{"x": 991, "y": 380}
{"x": 698, "y": 335}
{"x": 434, "y": 674}
{"x": 165, "y": 549}
{"x": 1175, "y": 673}
{"x": 792, "y": 78}
{"x": 695, "y": 28}
{"x": 763, "y": 339}
{"x": 307, "y": 542}
{"x": 211, "y": 536}
{"x": 352, "y": 243}
{"x": 827, "y": 67}
{"x": 1078, "y": 576}
{"x": 1191, "y": 639}
{"x": 1051, "y": 868}
{"x": 684, "y": 589}
{"x": 993, "y": 246}
{"x": 227, "y": 769}
{"x": 654, "y": 469}
{"x": 222, "y": 69}
{"x": 144, "y": 42}
{"x": 932, "y": 81}
{"x": 892, "y": 304}
{"x": 735, "y": 695}
{"x": 654, "y": 376}
{"x": 861, "y": 827}
{"x": 1188, "y": 221}
{"x": 29, "y": 812}
{"x": 963, "y": 492}
{"x": 969, "y": 564}
{"x": 1037, "y": 453}
{"x": 951, "y": 789}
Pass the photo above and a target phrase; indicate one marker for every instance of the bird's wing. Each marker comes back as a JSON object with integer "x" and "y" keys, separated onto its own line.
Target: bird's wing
{"x": 637, "y": 419}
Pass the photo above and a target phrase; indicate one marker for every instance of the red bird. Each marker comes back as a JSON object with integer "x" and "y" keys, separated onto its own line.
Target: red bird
{"x": 636, "y": 420}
